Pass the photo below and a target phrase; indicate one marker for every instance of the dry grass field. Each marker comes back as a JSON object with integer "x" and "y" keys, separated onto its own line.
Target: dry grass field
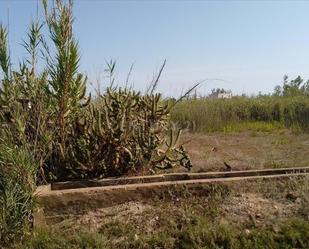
{"x": 247, "y": 150}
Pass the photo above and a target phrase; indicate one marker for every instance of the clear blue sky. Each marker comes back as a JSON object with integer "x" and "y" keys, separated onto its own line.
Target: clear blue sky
{"x": 250, "y": 44}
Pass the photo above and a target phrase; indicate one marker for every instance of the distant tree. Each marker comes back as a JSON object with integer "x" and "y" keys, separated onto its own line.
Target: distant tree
{"x": 277, "y": 91}
{"x": 292, "y": 88}
{"x": 305, "y": 88}
{"x": 244, "y": 95}
{"x": 217, "y": 91}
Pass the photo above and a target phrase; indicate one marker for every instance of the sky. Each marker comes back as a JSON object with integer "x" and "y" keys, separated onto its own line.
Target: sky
{"x": 245, "y": 46}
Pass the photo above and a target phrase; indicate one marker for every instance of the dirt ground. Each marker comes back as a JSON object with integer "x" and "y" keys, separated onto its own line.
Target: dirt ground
{"x": 246, "y": 150}
{"x": 245, "y": 207}
{"x": 260, "y": 205}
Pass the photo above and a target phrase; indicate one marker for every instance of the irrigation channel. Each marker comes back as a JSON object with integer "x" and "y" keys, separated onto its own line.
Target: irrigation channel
{"x": 63, "y": 199}
{"x": 177, "y": 178}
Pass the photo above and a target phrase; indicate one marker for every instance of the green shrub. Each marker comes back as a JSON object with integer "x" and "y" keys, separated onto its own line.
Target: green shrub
{"x": 17, "y": 184}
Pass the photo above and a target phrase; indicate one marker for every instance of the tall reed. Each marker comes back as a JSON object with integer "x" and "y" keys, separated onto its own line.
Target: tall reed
{"x": 209, "y": 115}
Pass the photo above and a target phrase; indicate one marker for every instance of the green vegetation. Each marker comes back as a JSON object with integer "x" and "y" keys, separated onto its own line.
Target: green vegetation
{"x": 17, "y": 185}
{"x": 201, "y": 233}
{"x": 287, "y": 107}
{"x": 125, "y": 133}
{"x": 292, "y": 88}
{"x": 265, "y": 113}
{"x": 51, "y": 130}
{"x": 121, "y": 132}
{"x": 57, "y": 133}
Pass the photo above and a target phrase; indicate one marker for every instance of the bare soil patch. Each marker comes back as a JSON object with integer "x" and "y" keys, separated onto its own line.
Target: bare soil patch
{"x": 247, "y": 150}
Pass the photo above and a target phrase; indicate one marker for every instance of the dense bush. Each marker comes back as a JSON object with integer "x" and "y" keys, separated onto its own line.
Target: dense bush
{"x": 125, "y": 132}
{"x": 49, "y": 111}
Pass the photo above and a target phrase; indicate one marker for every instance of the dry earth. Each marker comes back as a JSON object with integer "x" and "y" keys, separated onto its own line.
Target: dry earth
{"x": 243, "y": 208}
{"x": 253, "y": 204}
{"x": 247, "y": 150}
{"x": 246, "y": 206}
